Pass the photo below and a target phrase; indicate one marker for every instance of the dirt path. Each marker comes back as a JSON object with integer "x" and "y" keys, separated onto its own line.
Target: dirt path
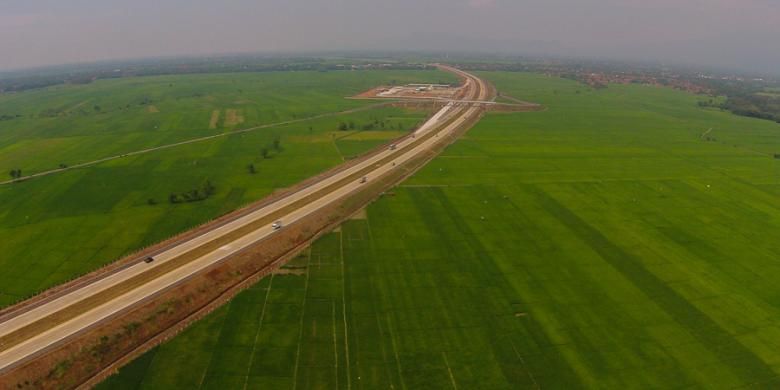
{"x": 214, "y": 119}
{"x": 233, "y": 117}
{"x": 518, "y": 101}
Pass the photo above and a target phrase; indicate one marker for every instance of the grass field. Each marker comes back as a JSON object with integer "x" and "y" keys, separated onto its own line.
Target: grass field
{"x": 603, "y": 243}
{"x": 60, "y": 226}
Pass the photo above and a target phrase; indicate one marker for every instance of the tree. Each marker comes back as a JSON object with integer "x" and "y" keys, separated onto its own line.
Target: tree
{"x": 277, "y": 143}
{"x": 351, "y": 125}
{"x": 251, "y": 168}
{"x": 343, "y": 126}
{"x": 264, "y": 152}
{"x": 193, "y": 195}
{"x": 15, "y": 173}
{"x": 209, "y": 188}
{"x": 151, "y": 202}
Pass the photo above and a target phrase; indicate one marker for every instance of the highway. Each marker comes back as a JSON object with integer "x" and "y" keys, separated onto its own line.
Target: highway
{"x": 25, "y": 333}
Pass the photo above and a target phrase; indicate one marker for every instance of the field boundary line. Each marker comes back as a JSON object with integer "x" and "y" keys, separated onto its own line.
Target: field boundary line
{"x": 344, "y": 308}
{"x": 379, "y": 325}
{"x": 259, "y": 328}
{"x": 211, "y": 355}
{"x": 335, "y": 344}
{"x": 336, "y": 146}
{"x": 395, "y": 350}
{"x": 530, "y": 374}
{"x": 449, "y": 370}
{"x": 303, "y": 316}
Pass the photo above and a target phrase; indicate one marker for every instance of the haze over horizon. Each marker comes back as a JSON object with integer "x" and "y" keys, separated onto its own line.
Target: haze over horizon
{"x": 740, "y": 34}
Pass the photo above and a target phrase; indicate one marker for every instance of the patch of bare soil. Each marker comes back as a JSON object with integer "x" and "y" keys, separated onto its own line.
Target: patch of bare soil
{"x": 214, "y": 119}
{"x": 233, "y": 117}
{"x": 290, "y": 271}
{"x": 411, "y": 91}
{"x": 371, "y": 93}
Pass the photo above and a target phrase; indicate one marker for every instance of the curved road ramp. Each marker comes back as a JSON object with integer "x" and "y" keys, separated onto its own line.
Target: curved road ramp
{"x": 77, "y": 334}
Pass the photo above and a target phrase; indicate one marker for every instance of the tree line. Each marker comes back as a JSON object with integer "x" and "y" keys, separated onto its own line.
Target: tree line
{"x": 344, "y": 126}
{"x": 85, "y": 74}
{"x": 194, "y": 195}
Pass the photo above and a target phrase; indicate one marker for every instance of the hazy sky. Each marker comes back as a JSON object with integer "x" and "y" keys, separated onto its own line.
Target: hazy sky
{"x": 725, "y": 33}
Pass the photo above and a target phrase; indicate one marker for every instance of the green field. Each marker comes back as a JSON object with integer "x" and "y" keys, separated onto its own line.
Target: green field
{"x": 602, "y": 243}
{"x": 60, "y": 226}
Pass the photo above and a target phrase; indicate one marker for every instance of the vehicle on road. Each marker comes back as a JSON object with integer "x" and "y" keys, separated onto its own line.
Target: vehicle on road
{"x": 277, "y": 225}
{"x": 392, "y": 147}
{"x": 363, "y": 179}
{"x": 148, "y": 259}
